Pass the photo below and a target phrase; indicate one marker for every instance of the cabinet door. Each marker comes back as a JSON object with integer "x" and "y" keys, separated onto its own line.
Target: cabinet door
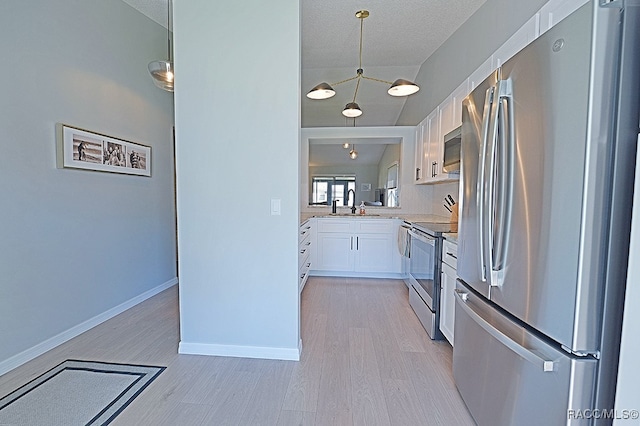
{"x": 457, "y": 96}
{"x": 451, "y": 116}
{"x": 374, "y": 253}
{"x": 448, "y": 302}
{"x": 335, "y": 252}
{"x": 419, "y": 170}
{"x": 446, "y": 115}
{"x": 433, "y": 163}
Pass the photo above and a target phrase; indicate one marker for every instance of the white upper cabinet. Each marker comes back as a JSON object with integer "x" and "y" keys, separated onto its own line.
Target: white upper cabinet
{"x": 555, "y": 11}
{"x": 525, "y": 35}
{"x": 419, "y": 174}
{"x": 446, "y": 115}
{"x": 480, "y": 74}
{"x": 457, "y": 96}
{"x": 433, "y": 162}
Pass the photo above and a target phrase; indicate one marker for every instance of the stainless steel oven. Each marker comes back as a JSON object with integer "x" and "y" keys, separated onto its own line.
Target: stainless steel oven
{"x": 424, "y": 278}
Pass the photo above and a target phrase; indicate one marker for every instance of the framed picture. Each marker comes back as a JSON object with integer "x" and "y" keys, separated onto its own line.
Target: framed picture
{"x": 82, "y": 149}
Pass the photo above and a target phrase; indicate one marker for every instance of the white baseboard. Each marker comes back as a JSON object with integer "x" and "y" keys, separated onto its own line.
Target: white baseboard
{"x": 391, "y": 275}
{"x": 37, "y": 350}
{"x": 286, "y": 354}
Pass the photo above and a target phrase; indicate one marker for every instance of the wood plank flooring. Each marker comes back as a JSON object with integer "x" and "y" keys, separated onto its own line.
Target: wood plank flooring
{"x": 366, "y": 361}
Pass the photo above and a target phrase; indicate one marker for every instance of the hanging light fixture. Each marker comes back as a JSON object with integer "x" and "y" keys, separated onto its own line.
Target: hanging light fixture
{"x": 347, "y": 144}
{"x": 399, "y": 87}
{"x": 353, "y": 154}
{"x": 162, "y": 71}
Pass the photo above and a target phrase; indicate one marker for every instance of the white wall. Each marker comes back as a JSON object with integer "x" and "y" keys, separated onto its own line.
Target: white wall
{"x": 237, "y": 128}
{"x": 74, "y": 244}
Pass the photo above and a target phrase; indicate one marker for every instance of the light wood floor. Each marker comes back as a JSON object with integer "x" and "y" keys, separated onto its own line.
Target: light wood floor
{"x": 366, "y": 361}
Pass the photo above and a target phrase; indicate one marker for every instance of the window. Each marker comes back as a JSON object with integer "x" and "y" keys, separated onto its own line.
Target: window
{"x": 325, "y": 189}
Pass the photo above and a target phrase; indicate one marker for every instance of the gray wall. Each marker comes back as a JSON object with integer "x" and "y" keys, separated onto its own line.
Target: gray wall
{"x": 75, "y": 244}
{"x": 464, "y": 52}
{"x": 237, "y": 130}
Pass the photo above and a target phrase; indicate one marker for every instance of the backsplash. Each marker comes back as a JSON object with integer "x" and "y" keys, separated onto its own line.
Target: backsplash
{"x": 438, "y": 195}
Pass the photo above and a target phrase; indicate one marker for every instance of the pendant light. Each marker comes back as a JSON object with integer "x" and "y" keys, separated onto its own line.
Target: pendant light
{"x": 399, "y": 87}
{"x": 352, "y": 110}
{"x": 162, "y": 71}
{"x": 353, "y": 154}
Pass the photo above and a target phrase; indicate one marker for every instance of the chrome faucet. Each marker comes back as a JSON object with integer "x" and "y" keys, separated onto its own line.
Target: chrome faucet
{"x": 353, "y": 208}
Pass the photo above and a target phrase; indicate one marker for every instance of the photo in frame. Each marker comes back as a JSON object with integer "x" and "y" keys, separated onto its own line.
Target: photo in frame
{"x": 82, "y": 149}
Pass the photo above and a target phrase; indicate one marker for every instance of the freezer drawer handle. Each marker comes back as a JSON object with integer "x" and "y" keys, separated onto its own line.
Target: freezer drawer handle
{"x": 521, "y": 351}
{"x": 462, "y": 294}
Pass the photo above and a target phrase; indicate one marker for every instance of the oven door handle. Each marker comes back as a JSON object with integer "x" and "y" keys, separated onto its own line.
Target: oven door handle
{"x": 427, "y": 239}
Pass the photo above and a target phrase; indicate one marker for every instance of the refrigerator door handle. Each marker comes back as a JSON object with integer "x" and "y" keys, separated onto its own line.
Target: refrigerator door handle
{"x": 480, "y": 190}
{"x": 502, "y": 187}
{"x": 462, "y": 301}
{"x": 487, "y": 216}
{"x": 489, "y": 203}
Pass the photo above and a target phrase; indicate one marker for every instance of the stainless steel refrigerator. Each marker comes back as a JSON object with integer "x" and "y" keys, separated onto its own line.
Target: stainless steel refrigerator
{"x": 547, "y": 166}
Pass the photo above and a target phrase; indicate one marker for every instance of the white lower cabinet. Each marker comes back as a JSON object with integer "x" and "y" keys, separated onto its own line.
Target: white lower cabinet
{"x": 335, "y": 252}
{"x": 375, "y": 253}
{"x": 447, "y": 288}
{"x": 365, "y": 246}
{"x": 304, "y": 252}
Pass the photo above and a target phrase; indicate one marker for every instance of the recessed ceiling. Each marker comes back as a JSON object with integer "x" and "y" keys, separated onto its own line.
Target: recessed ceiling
{"x": 398, "y": 37}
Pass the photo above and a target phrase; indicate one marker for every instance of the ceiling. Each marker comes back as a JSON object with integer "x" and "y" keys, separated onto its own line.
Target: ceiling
{"x": 398, "y": 37}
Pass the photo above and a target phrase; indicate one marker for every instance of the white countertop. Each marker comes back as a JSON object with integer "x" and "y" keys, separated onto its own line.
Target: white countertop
{"x": 409, "y": 217}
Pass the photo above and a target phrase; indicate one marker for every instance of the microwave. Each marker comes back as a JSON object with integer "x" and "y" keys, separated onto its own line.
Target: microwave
{"x": 451, "y": 161}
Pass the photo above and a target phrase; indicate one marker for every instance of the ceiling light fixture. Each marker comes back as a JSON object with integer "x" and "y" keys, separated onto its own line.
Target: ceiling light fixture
{"x": 399, "y": 87}
{"x": 162, "y": 71}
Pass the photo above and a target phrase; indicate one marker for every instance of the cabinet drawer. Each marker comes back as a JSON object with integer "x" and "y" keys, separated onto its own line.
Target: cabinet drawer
{"x": 450, "y": 254}
{"x": 335, "y": 225}
{"x": 304, "y": 250}
{"x": 303, "y": 274}
{"x": 375, "y": 226}
{"x": 305, "y": 231}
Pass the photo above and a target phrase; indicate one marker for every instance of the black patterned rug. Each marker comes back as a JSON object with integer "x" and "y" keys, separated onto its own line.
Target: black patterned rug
{"x": 77, "y": 393}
